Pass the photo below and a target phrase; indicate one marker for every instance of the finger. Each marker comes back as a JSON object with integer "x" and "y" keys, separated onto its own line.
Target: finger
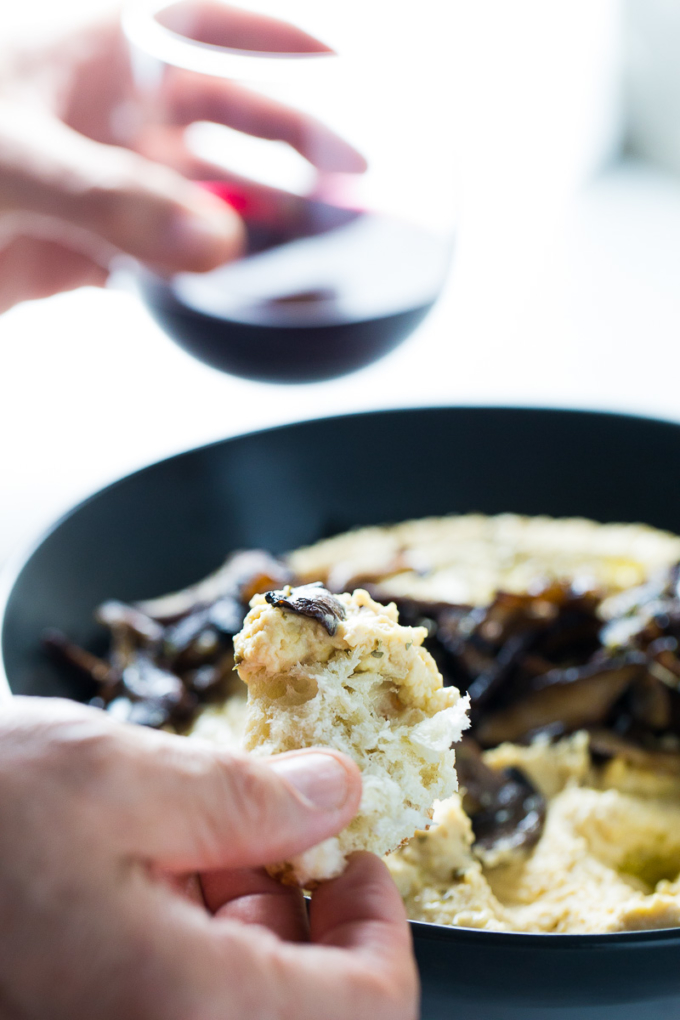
{"x": 253, "y": 897}
{"x": 369, "y": 975}
{"x": 257, "y": 203}
{"x": 361, "y": 910}
{"x": 188, "y": 807}
{"x": 221, "y": 25}
{"x": 360, "y": 961}
{"x": 139, "y": 207}
{"x": 243, "y": 969}
{"x": 192, "y": 98}
{"x": 33, "y": 267}
{"x": 181, "y": 805}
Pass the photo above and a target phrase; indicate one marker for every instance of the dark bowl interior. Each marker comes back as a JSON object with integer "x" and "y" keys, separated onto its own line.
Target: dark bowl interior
{"x": 173, "y": 522}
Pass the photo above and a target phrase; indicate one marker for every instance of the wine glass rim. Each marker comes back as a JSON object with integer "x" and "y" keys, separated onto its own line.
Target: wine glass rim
{"x": 143, "y": 30}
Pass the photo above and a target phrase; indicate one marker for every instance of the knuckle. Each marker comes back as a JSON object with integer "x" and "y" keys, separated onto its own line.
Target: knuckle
{"x": 129, "y": 197}
{"x": 252, "y": 797}
{"x": 245, "y": 788}
{"x": 82, "y": 752}
{"x": 111, "y": 175}
{"x": 226, "y": 803}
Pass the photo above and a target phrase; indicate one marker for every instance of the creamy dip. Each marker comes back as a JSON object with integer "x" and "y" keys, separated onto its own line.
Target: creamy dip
{"x": 608, "y": 858}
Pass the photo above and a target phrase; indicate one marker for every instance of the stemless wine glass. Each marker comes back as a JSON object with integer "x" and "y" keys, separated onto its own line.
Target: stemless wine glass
{"x": 349, "y": 212}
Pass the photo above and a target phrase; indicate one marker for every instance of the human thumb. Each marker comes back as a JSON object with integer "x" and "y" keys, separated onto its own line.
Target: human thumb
{"x": 191, "y": 807}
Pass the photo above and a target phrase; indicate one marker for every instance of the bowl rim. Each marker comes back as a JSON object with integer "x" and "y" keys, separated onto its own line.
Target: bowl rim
{"x": 14, "y": 565}
{"x": 560, "y": 941}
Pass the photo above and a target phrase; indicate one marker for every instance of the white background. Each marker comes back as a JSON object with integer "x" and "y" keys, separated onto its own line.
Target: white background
{"x": 564, "y": 292}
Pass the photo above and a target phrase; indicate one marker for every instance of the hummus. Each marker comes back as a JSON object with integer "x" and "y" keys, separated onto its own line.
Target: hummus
{"x": 468, "y": 558}
{"x": 607, "y": 860}
{"x": 608, "y": 856}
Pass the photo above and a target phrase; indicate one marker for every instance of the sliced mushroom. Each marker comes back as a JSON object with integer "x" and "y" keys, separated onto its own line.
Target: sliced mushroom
{"x": 311, "y": 600}
{"x": 144, "y": 680}
{"x": 574, "y": 698}
{"x": 227, "y": 615}
{"x": 518, "y": 637}
{"x": 506, "y": 810}
{"x": 492, "y": 680}
{"x": 191, "y": 641}
{"x": 208, "y": 680}
{"x": 162, "y": 694}
{"x": 650, "y": 703}
{"x": 168, "y": 655}
{"x": 605, "y": 745}
{"x": 241, "y": 576}
{"x": 116, "y": 615}
{"x": 70, "y": 654}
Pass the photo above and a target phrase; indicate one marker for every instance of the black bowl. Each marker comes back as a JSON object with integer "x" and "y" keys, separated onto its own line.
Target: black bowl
{"x": 173, "y": 522}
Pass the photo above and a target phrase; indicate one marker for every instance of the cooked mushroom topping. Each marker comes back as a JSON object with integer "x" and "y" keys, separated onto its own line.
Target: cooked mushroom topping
{"x": 506, "y": 810}
{"x": 168, "y": 656}
{"x": 145, "y": 681}
{"x": 605, "y": 745}
{"x": 67, "y": 653}
{"x": 532, "y": 663}
{"x": 243, "y": 575}
{"x": 543, "y": 663}
{"x": 312, "y": 600}
{"x": 572, "y": 699}
{"x": 115, "y": 615}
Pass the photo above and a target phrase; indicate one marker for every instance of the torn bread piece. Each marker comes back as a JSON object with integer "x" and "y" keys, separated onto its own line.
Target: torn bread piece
{"x": 339, "y": 671}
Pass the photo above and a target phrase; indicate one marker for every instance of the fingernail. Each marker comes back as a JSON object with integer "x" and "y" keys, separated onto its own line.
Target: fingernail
{"x": 320, "y": 778}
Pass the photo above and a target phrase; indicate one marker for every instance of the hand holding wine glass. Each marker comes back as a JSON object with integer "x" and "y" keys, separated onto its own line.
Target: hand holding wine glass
{"x": 83, "y": 177}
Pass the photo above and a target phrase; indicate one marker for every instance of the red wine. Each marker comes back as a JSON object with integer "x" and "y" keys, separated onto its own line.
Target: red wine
{"x": 321, "y": 291}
